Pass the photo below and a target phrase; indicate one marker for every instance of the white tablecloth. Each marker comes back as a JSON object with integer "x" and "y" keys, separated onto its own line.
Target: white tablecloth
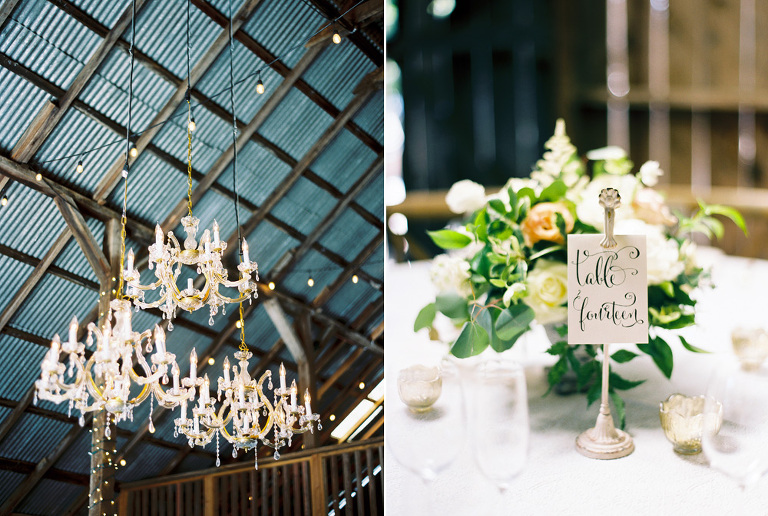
{"x": 557, "y": 479}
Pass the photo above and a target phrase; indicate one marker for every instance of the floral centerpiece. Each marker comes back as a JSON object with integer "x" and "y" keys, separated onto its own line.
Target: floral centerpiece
{"x": 506, "y": 267}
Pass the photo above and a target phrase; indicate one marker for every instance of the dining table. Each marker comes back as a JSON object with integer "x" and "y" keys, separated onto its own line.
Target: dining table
{"x": 556, "y": 479}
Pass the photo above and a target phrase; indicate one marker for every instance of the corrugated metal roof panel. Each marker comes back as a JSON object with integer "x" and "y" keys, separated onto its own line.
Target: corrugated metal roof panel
{"x": 50, "y": 497}
{"x": 374, "y": 265}
{"x": 214, "y": 206}
{"x": 351, "y": 299}
{"x": 108, "y": 91}
{"x": 105, "y": 13}
{"x": 146, "y": 202}
{"x": 161, "y": 33}
{"x": 268, "y": 244}
{"x": 304, "y": 206}
{"x": 21, "y": 367}
{"x": 194, "y": 462}
{"x": 72, "y": 258}
{"x": 343, "y": 161}
{"x": 35, "y": 220}
{"x": 147, "y": 460}
{"x": 372, "y": 197}
{"x": 18, "y": 106}
{"x": 77, "y": 458}
{"x": 297, "y": 23}
{"x": 24, "y": 442}
{"x": 215, "y": 83}
{"x": 55, "y": 316}
{"x": 10, "y": 481}
{"x": 259, "y": 330}
{"x": 211, "y": 138}
{"x": 14, "y": 275}
{"x": 337, "y": 70}
{"x": 374, "y": 323}
{"x": 46, "y": 40}
{"x": 370, "y": 118}
{"x": 321, "y": 269}
{"x": 348, "y": 235}
{"x": 259, "y": 172}
{"x": 77, "y": 132}
{"x": 296, "y": 124}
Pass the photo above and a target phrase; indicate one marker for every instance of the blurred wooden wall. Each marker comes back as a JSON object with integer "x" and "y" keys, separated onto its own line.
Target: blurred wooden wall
{"x": 684, "y": 82}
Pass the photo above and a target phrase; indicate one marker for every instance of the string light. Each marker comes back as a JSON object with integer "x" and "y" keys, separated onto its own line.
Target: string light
{"x": 211, "y": 361}
{"x": 336, "y": 36}
{"x": 332, "y": 417}
{"x": 192, "y": 124}
{"x": 362, "y": 385}
{"x": 238, "y": 325}
{"x": 4, "y": 200}
{"x": 271, "y": 285}
{"x": 134, "y": 151}
{"x": 122, "y": 462}
{"x": 259, "y": 85}
{"x": 355, "y": 279}
{"x": 311, "y": 282}
{"x": 39, "y": 176}
{"x": 79, "y": 167}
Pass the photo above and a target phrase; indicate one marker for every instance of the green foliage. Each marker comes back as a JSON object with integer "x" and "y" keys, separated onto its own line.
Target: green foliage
{"x": 660, "y": 352}
{"x": 623, "y": 355}
{"x": 426, "y": 317}
{"x": 472, "y": 341}
{"x": 618, "y": 404}
{"x": 449, "y": 239}
{"x": 452, "y": 305}
{"x": 514, "y": 321}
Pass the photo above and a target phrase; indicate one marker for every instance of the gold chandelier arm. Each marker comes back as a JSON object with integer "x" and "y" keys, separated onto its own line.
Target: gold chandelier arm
{"x": 168, "y": 399}
{"x": 90, "y": 382}
{"x": 153, "y": 304}
{"x": 152, "y": 286}
{"x": 226, "y": 299}
{"x": 150, "y": 376}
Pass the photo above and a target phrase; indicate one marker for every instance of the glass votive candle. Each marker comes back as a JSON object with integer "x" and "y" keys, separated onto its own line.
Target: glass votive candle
{"x": 682, "y": 419}
{"x": 750, "y": 346}
{"x": 419, "y": 387}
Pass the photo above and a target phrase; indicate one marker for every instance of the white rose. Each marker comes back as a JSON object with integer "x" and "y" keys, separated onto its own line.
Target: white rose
{"x": 664, "y": 260}
{"x": 588, "y": 207}
{"x": 450, "y": 274}
{"x": 465, "y": 196}
{"x": 548, "y": 291}
{"x": 518, "y": 183}
{"x": 650, "y": 173}
{"x": 606, "y": 153}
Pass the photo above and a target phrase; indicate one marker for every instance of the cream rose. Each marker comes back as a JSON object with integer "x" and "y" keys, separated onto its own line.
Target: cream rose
{"x": 664, "y": 260}
{"x": 465, "y": 196}
{"x": 541, "y": 223}
{"x": 650, "y": 173}
{"x": 548, "y": 291}
{"x": 649, "y": 207}
{"x": 450, "y": 274}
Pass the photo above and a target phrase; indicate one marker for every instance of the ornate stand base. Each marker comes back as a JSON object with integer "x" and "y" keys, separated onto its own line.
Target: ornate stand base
{"x": 604, "y": 441}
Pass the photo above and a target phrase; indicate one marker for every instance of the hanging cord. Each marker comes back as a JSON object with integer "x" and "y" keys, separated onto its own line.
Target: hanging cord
{"x": 188, "y": 97}
{"x": 234, "y": 130}
{"x": 124, "y": 217}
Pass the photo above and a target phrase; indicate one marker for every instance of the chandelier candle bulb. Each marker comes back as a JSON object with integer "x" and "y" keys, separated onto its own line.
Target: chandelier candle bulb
{"x": 242, "y": 394}
{"x": 293, "y": 396}
{"x": 307, "y": 399}
{"x": 193, "y": 366}
{"x": 160, "y": 341}
{"x": 176, "y": 372}
{"x": 282, "y": 377}
{"x": 183, "y": 409}
{"x": 216, "y": 238}
{"x": 246, "y": 261}
{"x": 129, "y": 260}
{"x": 158, "y": 236}
{"x": 226, "y": 371}
{"x": 190, "y": 285}
{"x": 73, "y": 332}
{"x": 197, "y": 424}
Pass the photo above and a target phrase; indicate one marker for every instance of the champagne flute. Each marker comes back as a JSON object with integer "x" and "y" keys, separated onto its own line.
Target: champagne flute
{"x": 428, "y": 440}
{"x": 739, "y": 449}
{"x": 498, "y": 420}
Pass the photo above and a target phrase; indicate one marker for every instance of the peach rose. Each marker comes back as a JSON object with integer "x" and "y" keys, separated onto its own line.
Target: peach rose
{"x": 541, "y": 223}
{"x": 649, "y": 207}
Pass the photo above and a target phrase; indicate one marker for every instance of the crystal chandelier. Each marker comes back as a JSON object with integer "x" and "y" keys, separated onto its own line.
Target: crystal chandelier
{"x": 246, "y": 408}
{"x": 167, "y": 258}
{"x": 104, "y": 379}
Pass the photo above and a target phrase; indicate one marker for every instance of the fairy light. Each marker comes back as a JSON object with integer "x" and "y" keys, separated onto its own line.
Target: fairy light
{"x": 122, "y": 462}
{"x": 271, "y": 285}
{"x": 336, "y": 38}
{"x": 238, "y": 325}
{"x": 260, "y": 85}
{"x": 39, "y": 176}
{"x": 355, "y": 279}
{"x": 4, "y": 200}
{"x": 80, "y": 167}
{"x": 192, "y": 124}
{"x": 311, "y": 282}
{"x": 332, "y": 417}
{"x": 134, "y": 151}
{"x": 211, "y": 361}
{"x": 362, "y": 385}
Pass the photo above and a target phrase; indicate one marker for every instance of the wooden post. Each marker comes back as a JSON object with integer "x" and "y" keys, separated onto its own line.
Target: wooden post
{"x": 317, "y": 481}
{"x": 209, "y": 496}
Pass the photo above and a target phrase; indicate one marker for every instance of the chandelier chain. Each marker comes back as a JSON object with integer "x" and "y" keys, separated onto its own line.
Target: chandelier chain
{"x": 243, "y": 345}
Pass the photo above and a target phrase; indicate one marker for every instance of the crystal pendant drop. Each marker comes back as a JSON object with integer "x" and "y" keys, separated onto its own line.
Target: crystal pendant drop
{"x": 234, "y": 452}
{"x": 149, "y": 346}
{"x": 269, "y": 385}
{"x": 277, "y": 455}
{"x": 151, "y": 427}
{"x": 218, "y": 462}
{"x": 165, "y": 379}
{"x": 34, "y": 400}
{"x": 81, "y": 420}
{"x": 210, "y": 321}
{"x": 170, "y": 326}
{"x": 107, "y": 432}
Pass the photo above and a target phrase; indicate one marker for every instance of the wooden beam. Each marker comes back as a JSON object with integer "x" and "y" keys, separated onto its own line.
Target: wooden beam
{"x": 33, "y": 279}
{"x": 52, "y": 269}
{"x": 112, "y": 177}
{"x": 85, "y": 239}
{"x": 26, "y": 468}
{"x": 327, "y": 137}
{"x": 277, "y": 65}
{"x": 10, "y": 421}
{"x": 354, "y": 266}
{"x": 42, "y": 468}
{"x": 51, "y": 114}
{"x": 6, "y": 8}
{"x": 25, "y": 175}
{"x": 278, "y": 272}
{"x": 331, "y": 12}
{"x": 379, "y": 422}
{"x": 246, "y": 133}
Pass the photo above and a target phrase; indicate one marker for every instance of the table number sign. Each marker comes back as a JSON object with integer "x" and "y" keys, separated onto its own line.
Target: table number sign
{"x": 607, "y": 303}
{"x": 607, "y": 290}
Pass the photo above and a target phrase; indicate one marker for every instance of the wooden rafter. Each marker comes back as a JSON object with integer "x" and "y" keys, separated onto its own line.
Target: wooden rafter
{"x": 51, "y": 113}
{"x": 6, "y": 8}
{"x": 85, "y": 239}
{"x": 294, "y": 255}
{"x": 112, "y": 177}
{"x": 331, "y": 12}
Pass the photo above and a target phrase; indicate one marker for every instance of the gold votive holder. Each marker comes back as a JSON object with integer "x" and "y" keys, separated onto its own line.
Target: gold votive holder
{"x": 419, "y": 387}
{"x": 682, "y": 419}
{"x": 750, "y": 347}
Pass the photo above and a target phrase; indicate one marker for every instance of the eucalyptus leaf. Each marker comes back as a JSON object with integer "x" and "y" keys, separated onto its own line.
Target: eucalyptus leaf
{"x": 449, "y": 239}
{"x": 472, "y": 341}
{"x": 514, "y": 321}
{"x": 425, "y": 318}
{"x": 691, "y": 347}
{"x": 452, "y": 305}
